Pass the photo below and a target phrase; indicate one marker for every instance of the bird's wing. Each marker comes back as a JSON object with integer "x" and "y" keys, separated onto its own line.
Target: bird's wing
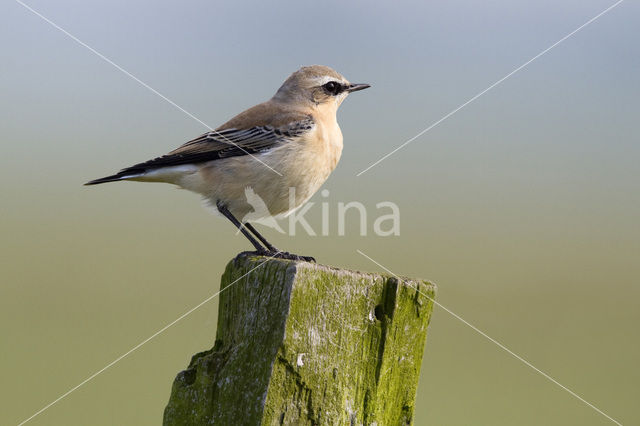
{"x": 231, "y": 142}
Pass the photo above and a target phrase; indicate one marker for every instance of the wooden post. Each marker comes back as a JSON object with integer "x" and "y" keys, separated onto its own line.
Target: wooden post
{"x": 305, "y": 344}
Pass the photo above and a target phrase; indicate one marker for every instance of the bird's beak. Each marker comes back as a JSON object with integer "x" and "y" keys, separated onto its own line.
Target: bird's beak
{"x": 356, "y": 87}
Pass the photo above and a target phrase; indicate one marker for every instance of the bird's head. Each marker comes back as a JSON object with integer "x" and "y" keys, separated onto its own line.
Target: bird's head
{"x": 316, "y": 85}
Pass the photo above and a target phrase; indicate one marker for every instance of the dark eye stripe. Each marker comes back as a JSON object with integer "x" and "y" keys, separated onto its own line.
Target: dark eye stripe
{"x": 333, "y": 87}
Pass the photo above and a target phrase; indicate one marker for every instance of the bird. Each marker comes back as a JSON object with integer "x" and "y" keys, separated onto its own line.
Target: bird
{"x": 287, "y": 145}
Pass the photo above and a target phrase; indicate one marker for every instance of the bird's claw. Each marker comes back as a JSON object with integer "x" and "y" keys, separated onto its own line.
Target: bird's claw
{"x": 291, "y": 256}
{"x": 277, "y": 254}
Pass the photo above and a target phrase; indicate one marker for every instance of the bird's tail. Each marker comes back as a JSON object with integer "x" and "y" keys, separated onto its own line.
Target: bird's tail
{"x": 123, "y": 175}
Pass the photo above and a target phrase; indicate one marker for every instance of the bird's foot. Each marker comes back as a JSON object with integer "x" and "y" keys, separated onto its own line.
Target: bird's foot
{"x": 291, "y": 256}
{"x": 277, "y": 254}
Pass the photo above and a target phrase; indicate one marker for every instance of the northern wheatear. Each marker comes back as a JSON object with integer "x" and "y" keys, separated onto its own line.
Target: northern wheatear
{"x": 291, "y": 141}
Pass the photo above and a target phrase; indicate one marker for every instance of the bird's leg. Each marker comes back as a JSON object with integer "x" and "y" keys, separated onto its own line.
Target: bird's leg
{"x": 262, "y": 239}
{"x": 274, "y": 251}
{"x": 226, "y": 213}
{"x": 270, "y": 250}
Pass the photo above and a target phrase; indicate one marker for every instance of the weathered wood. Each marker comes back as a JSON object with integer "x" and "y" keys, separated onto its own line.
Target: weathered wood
{"x": 304, "y": 344}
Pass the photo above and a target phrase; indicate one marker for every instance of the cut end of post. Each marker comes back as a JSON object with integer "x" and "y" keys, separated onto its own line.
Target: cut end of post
{"x": 301, "y": 343}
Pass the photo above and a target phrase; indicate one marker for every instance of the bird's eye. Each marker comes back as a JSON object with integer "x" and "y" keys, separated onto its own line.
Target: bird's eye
{"x": 332, "y": 87}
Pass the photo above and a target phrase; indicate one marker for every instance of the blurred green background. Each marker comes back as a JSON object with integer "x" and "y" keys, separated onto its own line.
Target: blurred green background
{"x": 523, "y": 207}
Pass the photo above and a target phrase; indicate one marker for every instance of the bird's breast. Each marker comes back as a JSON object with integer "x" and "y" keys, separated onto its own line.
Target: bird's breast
{"x": 304, "y": 165}
{"x": 326, "y": 146}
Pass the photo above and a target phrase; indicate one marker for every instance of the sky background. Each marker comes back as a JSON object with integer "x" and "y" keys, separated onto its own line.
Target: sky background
{"x": 522, "y": 207}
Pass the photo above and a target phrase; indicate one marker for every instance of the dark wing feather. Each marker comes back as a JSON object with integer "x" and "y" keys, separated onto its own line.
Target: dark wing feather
{"x": 219, "y": 144}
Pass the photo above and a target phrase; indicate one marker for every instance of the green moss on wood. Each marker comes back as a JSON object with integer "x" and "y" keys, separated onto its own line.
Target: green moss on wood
{"x": 299, "y": 343}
